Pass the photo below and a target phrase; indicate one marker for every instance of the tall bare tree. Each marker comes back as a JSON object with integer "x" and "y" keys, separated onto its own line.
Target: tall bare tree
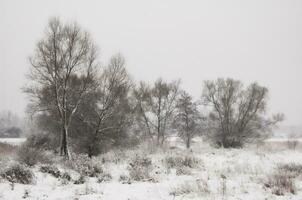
{"x": 62, "y": 73}
{"x": 188, "y": 120}
{"x": 156, "y": 106}
{"x": 238, "y": 114}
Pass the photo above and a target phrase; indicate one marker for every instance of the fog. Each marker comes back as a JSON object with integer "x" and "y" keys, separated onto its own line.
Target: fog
{"x": 256, "y": 40}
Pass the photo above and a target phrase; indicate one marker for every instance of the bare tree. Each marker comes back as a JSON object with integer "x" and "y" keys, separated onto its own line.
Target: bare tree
{"x": 156, "y": 107}
{"x": 187, "y": 119}
{"x": 107, "y": 112}
{"x": 62, "y": 73}
{"x": 238, "y": 114}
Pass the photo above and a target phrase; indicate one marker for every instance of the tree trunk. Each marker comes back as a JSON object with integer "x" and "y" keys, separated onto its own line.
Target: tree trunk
{"x": 188, "y": 142}
{"x": 64, "y": 144}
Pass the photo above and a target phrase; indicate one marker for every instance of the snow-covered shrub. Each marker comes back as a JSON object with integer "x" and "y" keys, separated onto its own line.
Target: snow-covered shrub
{"x": 280, "y": 183}
{"x": 124, "y": 179}
{"x": 105, "y": 177}
{"x": 181, "y": 161}
{"x": 65, "y": 178}
{"x": 80, "y": 180}
{"x": 197, "y": 188}
{"x": 173, "y": 161}
{"x": 17, "y": 173}
{"x": 183, "y": 171}
{"x": 51, "y": 169}
{"x": 203, "y": 187}
{"x": 114, "y": 156}
{"x": 191, "y": 161}
{"x": 31, "y": 156}
{"x": 140, "y": 168}
{"x": 85, "y": 165}
{"x": 292, "y": 169}
{"x": 183, "y": 189}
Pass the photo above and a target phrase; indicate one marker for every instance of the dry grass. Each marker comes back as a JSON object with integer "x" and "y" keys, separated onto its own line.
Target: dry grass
{"x": 199, "y": 187}
{"x": 280, "y": 183}
{"x": 7, "y": 149}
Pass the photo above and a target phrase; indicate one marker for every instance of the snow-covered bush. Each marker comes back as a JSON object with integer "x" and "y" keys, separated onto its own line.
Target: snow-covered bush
{"x": 140, "y": 168}
{"x": 17, "y": 173}
{"x": 181, "y": 161}
{"x": 51, "y": 169}
{"x": 81, "y": 180}
{"x": 292, "y": 169}
{"x": 105, "y": 177}
{"x": 280, "y": 183}
{"x": 31, "y": 156}
{"x": 85, "y": 165}
{"x": 66, "y": 176}
{"x": 114, "y": 156}
{"x": 183, "y": 171}
{"x": 183, "y": 189}
{"x": 124, "y": 179}
{"x": 198, "y": 188}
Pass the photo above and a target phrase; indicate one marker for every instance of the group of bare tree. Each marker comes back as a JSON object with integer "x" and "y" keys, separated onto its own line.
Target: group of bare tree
{"x": 94, "y": 105}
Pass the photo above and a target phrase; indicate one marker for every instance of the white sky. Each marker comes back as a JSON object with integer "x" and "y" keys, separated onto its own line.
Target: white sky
{"x": 256, "y": 40}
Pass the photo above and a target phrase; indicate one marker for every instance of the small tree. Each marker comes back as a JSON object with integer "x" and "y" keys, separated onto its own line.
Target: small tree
{"x": 62, "y": 74}
{"x": 187, "y": 119}
{"x": 238, "y": 114}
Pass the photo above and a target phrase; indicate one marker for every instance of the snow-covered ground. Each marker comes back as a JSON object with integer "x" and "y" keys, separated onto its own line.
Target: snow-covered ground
{"x": 220, "y": 174}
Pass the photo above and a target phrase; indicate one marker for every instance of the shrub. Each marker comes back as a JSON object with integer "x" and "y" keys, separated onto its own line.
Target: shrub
{"x": 18, "y": 173}
{"x": 85, "y": 166}
{"x": 31, "y": 156}
{"x": 115, "y": 156}
{"x": 292, "y": 169}
{"x": 179, "y": 162}
{"x": 280, "y": 183}
{"x": 191, "y": 161}
{"x": 173, "y": 161}
{"x": 106, "y": 177}
{"x": 124, "y": 179}
{"x": 183, "y": 171}
{"x": 65, "y": 178}
{"x": 199, "y": 187}
{"x": 80, "y": 180}
{"x": 140, "y": 168}
{"x": 51, "y": 169}
{"x": 183, "y": 189}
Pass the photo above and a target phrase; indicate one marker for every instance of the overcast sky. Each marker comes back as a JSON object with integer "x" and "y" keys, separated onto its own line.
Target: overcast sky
{"x": 256, "y": 40}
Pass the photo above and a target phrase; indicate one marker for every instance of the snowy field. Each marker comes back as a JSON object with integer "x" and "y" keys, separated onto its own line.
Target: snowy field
{"x": 211, "y": 174}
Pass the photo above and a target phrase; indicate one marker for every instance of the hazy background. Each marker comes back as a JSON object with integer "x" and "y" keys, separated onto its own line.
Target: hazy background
{"x": 258, "y": 40}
